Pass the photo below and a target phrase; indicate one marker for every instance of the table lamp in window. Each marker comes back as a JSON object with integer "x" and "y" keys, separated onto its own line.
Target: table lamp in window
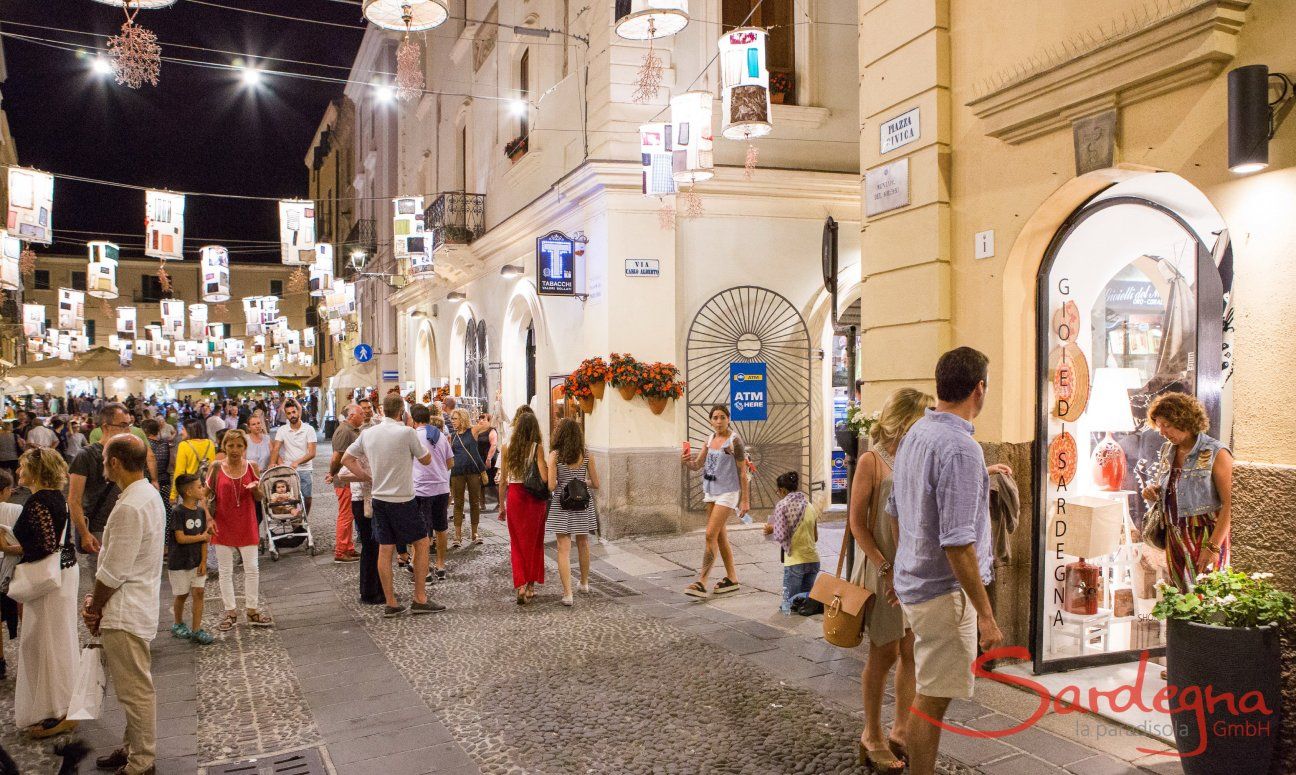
{"x": 1109, "y": 412}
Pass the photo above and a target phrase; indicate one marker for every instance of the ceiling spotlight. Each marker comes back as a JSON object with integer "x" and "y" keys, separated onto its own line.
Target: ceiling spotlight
{"x": 511, "y": 271}
{"x": 251, "y": 75}
{"x": 386, "y": 93}
{"x": 456, "y": 296}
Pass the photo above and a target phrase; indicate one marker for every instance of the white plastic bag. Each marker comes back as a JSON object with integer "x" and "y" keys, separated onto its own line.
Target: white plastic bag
{"x": 88, "y": 691}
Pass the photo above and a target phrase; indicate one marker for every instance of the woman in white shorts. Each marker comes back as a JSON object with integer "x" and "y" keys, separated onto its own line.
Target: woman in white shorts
{"x": 723, "y": 463}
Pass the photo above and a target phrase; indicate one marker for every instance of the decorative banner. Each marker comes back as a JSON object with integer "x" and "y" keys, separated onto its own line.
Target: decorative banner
{"x": 693, "y": 142}
{"x": 10, "y": 258}
{"x": 655, "y": 147}
{"x": 101, "y": 274}
{"x": 126, "y": 322}
{"x": 321, "y": 274}
{"x": 31, "y": 205}
{"x": 214, "y": 274}
{"x": 33, "y": 320}
{"x": 197, "y": 319}
{"x": 71, "y": 309}
{"x": 297, "y": 232}
{"x": 408, "y": 226}
{"x": 164, "y": 225}
{"x": 173, "y": 318}
{"x": 746, "y": 96}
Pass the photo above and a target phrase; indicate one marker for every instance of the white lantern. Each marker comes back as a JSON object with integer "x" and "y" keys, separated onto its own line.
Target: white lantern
{"x": 252, "y": 315}
{"x": 308, "y": 338}
{"x": 154, "y": 333}
{"x": 215, "y": 274}
{"x": 746, "y": 96}
{"x": 655, "y": 148}
{"x": 197, "y": 319}
{"x": 143, "y": 347}
{"x": 126, "y": 322}
{"x": 692, "y": 160}
{"x": 101, "y": 274}
{"x": 173, "y": 318}
{"x": 406, "y": 15}
{"x": 164, "y": 225}
{"x": 10, "y": 258}
{"x": 297, "y": 232}
{"x": 649, "y": 19}
{"x": 33, "y": 320}
{"x": 321, "y": 274}
{"x": 420, "y": 257}
{"x": 125, "y": 351}
{"x": 31, "y": 205}
{"x": 71, "y": 311}
{"x": 409, "y": 229}
{"x": 147, "y": 5}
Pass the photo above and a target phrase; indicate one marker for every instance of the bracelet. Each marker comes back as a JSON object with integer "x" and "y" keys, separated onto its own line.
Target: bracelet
{"x": 1214, "y": 549}
{"x": 884, "y": 568}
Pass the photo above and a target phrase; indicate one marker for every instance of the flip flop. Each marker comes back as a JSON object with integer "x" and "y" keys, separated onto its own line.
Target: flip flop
{"x": 898, "y": 748}
{"x": 881, "y": 761}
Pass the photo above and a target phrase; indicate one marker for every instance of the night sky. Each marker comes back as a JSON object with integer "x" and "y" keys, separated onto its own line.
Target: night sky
{"x": 199, "y": 129}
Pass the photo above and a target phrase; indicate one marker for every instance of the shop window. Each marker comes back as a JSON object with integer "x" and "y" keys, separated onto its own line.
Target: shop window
{"x": 780, "y": 53}
{"x": 41, "y": 280}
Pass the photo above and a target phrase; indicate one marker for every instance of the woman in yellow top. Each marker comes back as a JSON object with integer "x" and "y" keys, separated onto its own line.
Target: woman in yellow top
{"x": 794, "y": 525}
{"x": 195, "y": 450}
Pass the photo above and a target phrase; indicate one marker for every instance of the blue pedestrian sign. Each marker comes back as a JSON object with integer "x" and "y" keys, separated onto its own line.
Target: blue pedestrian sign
{"x": 363, "y": 353}
{"x": 748, "y": 392}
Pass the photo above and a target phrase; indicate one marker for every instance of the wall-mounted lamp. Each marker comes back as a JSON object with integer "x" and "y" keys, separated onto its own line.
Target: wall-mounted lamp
{"x": 358, "y": 260}
{"x": 456, "y": 296}
{"x": 511, "y": 271}
{"x": 1252, "y": 117}
{"x": 418, "y": 314}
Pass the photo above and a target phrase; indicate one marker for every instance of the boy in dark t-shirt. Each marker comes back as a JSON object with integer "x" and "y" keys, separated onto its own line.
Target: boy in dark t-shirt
{"x": 187, "y": 562}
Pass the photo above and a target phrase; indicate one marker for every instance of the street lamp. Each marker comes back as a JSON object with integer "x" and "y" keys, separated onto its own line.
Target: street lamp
{"x": 511, "y": 271}
{"x": 358, "y": 260}
{"x": 456, "y": 296}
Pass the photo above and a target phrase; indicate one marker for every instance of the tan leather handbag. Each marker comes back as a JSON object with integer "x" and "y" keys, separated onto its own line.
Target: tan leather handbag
{"x": 844, "y": 603}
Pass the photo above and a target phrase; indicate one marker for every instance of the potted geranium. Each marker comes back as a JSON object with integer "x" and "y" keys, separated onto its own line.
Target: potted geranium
{"x": 594, "y": 372}
{"x": 576, "y": 389}
{"x": 780, "y": 87}
{"x": 625, "y": 373}
{"x": 857, "y": 424}
{"x": 659, "y": 383}
{"x": 516, "y": 148}
{"x": 1222, "y": 641}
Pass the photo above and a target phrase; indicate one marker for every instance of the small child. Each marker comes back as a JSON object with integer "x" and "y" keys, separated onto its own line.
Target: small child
{"x": 794, "y": 526}
{"x": 186, "y": 565}
{"x": 282, "y": 502}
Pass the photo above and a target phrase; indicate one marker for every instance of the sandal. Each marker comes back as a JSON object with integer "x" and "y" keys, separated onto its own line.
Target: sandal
{"x": 227, "y": 623}
{"x": 898, "y": 748}
{"x": 477, "y": 542}
{"x": 696, "y": 589}
{"x": 258, "y": 619}
{"x": 880, "y": 761}
{"x": 521, "y": 596}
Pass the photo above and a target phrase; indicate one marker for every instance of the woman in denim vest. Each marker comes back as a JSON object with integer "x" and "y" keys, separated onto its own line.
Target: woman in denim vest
{"x": 1194, "y": 477}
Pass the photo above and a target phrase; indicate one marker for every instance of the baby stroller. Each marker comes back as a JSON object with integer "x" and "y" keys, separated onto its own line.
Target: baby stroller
{"x": 285, "y": 511}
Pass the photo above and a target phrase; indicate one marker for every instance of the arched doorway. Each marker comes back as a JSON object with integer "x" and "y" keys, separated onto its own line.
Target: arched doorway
{"x": 747, "y": 325}
{"x": 424, "y": 359}
{"x": 520, "y": 347}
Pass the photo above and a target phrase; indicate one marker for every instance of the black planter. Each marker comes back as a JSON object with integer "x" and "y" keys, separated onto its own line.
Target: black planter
{"x": 849, "y": 442}
{"x": 1231, "y": 661}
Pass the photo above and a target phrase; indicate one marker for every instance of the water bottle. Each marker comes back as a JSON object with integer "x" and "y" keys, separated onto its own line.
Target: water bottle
{"x": 746, "y": 518}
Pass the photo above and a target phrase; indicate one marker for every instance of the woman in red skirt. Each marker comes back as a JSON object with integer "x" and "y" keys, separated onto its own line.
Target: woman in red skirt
{"x": 524, "y": 473}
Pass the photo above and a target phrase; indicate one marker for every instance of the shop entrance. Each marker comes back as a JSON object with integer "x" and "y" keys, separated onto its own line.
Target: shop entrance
{"x": 751, "y": 326}
{"x": 845, "y": 391}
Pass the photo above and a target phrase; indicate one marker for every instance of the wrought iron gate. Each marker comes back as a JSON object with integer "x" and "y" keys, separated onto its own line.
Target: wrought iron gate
{"x": 742, "y": 325}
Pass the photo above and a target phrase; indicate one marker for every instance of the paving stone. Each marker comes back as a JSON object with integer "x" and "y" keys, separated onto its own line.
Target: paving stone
{"x": 974, "y": 750}
{"x": 736, "y": 641}
{"x": 1022, "y": 764}
{"x": 1103, "y": 765}
{"x": 383, "y": 743}
{"x": 786, "y": 666}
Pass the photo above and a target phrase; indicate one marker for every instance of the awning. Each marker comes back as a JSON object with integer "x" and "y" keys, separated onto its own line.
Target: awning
{"x": 224, "y": 377}
{"x": 100, "y": 363}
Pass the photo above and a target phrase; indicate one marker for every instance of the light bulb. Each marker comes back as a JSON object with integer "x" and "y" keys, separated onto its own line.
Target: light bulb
{"x": 101, "y": 66}
{"x": 251, "y": 75}
{"x": 386, "y": 93}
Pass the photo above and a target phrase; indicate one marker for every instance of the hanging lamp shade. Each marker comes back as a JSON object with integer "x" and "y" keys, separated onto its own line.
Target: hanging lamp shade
{"x": 143, "y": 5}
{"x": 215, "y": 274}
{"x": 650, "y": 19}
{"x": 71, "y": 309}
{"x": 173, "y": 318}
{"x": 745, "y": 95}
{"x": 10, "y": 262}
{"x": 252, "y": 314}
{"x": 406, "y": 15}
{"x": 31, "y": 205}
{"x": 127, "y": 322}
{"x": 101, "y": 274}
{"x": 655, "y": 149}
{"x": 297, "y": 232}
{"x": 321, "y": 274}
{"x": 33, "y": 320}
{"x": 691, "y": 156}
{"x": 164, "y": 225}
{"x": 197, "y": 319}
{"x": 408, "y": 226}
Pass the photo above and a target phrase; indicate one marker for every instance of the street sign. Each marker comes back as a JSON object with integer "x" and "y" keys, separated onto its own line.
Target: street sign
{"x": 839, "y": 470}
{"x": 748, "y": 392}
{"x": 363, "y": 353}
{"x": 556, "y": 265}
{"x": 391, "y": 376}
{"x": 643, "y": 267}
{"x": 899, "y": 131}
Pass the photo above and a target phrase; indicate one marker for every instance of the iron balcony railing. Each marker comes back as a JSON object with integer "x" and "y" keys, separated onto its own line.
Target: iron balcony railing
{"x": 362, "y": 236}
{"x": 456, "y": 218}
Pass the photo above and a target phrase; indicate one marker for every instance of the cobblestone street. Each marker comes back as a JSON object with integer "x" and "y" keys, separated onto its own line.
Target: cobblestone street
{"x": 635, "y": 678}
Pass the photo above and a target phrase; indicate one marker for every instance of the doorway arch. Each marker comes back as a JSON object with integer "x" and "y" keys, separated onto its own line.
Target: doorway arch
{"x": 520, "y": 343}
{"x": 424, "y": 358}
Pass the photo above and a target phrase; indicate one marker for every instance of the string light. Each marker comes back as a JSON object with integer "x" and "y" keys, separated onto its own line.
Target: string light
{"x": 101, "y": 66}
{"x": 251, "y": 75}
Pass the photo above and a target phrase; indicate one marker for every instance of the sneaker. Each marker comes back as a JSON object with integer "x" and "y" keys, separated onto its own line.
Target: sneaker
{"x": 440, "y": 574}
{"x": 181, "y": 631}
{"x": 340, "y": 558}
{"x": 583, "y": 588}
{"x": 426, "y": 608}
{"x": 203, "y": 638}
{"x": 392, "y": 611}
{"x": 568, "y": 601}
{"x": 725, "y": 586}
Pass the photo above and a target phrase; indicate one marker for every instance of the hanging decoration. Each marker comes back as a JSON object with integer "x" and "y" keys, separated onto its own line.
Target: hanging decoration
{"x": 655, "y": 150}
{"x": 215, "y": 274}
{"x": 666, "y": 216}
{"x": 71, "y": 309}
{"x": 197, "y": 319}
{"x": 31, "y": 205}
{"x": 297, "y": 232}
{"x": 689, "y": 204}
{"x": 33, "y": 320}
{"x": 134, "y": 53}
{"x": 10, "y": 262}
{"x": 409, "y": 70}
{"x": 164, "y": 225}
{"x": 27, "y": 262}
{"x": 749, "y": 166}
{"x": 308, "y": 338}
{"x": 321, "y": 274}
{"x": 252, "y": 314}
{"x": 125, "y": 352}
{"x": 173, "y": 318}
{"x": 648, "y": 79}
{"x": 126, "y": 322}
{"x": 299, "y": 280}
{"x": 406, "y": 15}
{"x": 692, "y": 160}
{"x": 409, "y": 227}
{"x": 164, "y": 279}
{"x": 745, "y": 95}
{"x": 101, "y": 274}
{"x": 650, "y": 19}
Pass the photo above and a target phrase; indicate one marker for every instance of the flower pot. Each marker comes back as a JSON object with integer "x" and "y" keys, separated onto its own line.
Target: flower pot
{"x": 628, "y": 392}
{"x": 598, "y": 388}
{"x": 1250, "y": 673}
{"x": 777, "y": 97}
{"x": 586, "y": 405}
{"x": 656, "y": 403}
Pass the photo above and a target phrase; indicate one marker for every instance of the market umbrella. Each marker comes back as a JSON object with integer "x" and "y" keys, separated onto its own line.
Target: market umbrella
{"x": 98, "y": 363}
{"x": 224, "y": 377}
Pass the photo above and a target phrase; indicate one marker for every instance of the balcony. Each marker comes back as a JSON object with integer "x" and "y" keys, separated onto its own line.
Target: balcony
{"x": 456, "y": 218}
{"x": 362, "y": 236}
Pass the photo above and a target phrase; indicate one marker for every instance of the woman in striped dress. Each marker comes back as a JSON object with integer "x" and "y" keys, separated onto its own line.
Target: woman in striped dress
{"x": 568, "y": 461}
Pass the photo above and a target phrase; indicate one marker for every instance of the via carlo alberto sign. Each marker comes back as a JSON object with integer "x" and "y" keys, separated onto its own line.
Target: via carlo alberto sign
{"x": 899, "y": 131}
{"x": 556, "y": 265}
{"x": 748, "y": 392}
{"x": 643, "y": 267}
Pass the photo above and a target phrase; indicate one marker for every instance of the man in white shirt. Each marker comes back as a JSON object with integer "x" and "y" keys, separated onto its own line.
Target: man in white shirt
{"x": 294, "y": 445}
{"x": 40, "y": 436}
{"x": 391, "y": 447}
{"x": 123, "y": 611}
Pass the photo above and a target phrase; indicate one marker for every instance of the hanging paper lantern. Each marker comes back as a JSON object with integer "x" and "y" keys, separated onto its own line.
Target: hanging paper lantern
{"x": 252, "y": 314}
{"x": 127, "y": 322}
{"x": 33, "y": 320}
{"x": 143, "y": 347}
{"x": 71, "y": 310}
{"x": 10, "y": 262}
{"x": 173, "y": 318}
{"x": 407, "y": 15}
{"x": 408, "y": 225}
{"x": 655, "y": 148}
{"x": 693, "y": 142}
{"x": 101, "y": 274}
{"x": 297, "y": 232}
{"x": 31, "y": 205}
{"x": 321, "y": 273}
{"x": 143, "y": 5}
{"x": 649, "y": 19}
{"x": 197, "y": 319}
{"x": 308, "y": 338}
{"x": 214, "y": 274}
{"x": 745, "y": 93}
{"x": 164, "y": 225}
